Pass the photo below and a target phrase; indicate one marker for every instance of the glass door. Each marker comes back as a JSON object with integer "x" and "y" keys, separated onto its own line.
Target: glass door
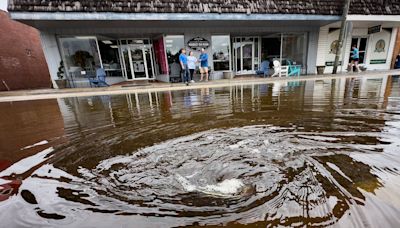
{"x": 238, "y": 54}
{"x": 126, "y": 62}
{"x": 245, "y": 58}
{"x": 137, "y": 61}
{"x": 148, "y": 54}
{"x": 361, "y": 44}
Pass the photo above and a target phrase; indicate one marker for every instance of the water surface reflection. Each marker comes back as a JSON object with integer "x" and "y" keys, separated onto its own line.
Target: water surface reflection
{"x": 314, "y": 153}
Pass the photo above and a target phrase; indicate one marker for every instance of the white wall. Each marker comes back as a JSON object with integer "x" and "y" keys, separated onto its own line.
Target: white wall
{"x": 387, "y": 54}
{"x": 325, "y": 39}
{"x": 51, "y": 53}
{"x": 312, "y": 52}
{"x": 3, "y": 5}
{"x": 325, "y": 54}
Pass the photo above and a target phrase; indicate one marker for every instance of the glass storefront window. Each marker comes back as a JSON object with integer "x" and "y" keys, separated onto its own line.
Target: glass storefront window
{"x": 271, "y": 48}
{"x": 110, "y": 57}
{"x": 287, "y": 48}
{"x": 294, "y": 49}
{"x": 173, "y": 45}
{"x": 221, "y": 52}
{"x": 80, "y": 56}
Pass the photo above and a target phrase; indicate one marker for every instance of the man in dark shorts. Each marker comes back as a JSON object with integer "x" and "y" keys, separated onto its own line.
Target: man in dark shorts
{"x": 355, "y": 57}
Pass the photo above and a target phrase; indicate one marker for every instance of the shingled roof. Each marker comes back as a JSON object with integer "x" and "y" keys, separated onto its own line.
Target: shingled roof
{"x": 316, "y": 7}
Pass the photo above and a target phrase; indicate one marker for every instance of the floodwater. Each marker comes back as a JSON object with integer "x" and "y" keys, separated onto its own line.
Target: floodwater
{"x": 316, "y": 153}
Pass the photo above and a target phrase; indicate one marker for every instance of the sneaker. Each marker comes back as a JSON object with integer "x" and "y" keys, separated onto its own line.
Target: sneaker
{"x": 192, "y": 81}
{"x": 187, "y": 83}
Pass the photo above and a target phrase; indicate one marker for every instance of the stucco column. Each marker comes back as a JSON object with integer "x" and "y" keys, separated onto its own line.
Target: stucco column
{"x": 396, "y": 49}
{"x": 51, "y": 53}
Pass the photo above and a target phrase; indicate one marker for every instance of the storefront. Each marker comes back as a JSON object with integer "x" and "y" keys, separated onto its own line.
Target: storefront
{"x": 157, "y": 58}
{"x": 374, "y": 37}
{"x": 141, "y": 40}
{"x": 122, "y": 59}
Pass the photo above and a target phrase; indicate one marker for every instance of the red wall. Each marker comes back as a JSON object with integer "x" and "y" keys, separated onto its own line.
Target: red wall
{"x": 22, "y": 62}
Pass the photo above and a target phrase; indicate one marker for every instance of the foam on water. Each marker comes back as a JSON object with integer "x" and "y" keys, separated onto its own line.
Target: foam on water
{"x": 225, "y": 188}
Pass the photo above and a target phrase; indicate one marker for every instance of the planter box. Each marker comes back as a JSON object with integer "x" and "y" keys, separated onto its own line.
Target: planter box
{"x": 320, "y": 69}
{"x": 228, "y": 74}
{"x": 61, "y": 83}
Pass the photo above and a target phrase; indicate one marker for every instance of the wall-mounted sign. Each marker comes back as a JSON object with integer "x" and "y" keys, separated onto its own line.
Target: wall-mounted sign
{"x": 332, "y": 63}
{"x": 334, "y": 46}
{"x": 380, "y": 46}
{"x": 378, "y": 61}
{"x": 374, "y": 29}
{"x": 198, "y": 43}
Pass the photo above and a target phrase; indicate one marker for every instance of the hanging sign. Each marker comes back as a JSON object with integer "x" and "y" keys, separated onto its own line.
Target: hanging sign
{"x": 374, "y": 29}
{"x": 198, "y": 43}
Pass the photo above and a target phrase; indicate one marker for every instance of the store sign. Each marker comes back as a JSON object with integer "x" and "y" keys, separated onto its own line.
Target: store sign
{"x": 198, "y": 43}
{"x": 375, "y": 29}
{"x": 378, "y": 61}
{"x": 332, "y": 63}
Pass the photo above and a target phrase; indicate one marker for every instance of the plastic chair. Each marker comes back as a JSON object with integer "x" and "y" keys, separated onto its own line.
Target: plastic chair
{"x": 264, "y": 68}
{"x": 279, "y": 70}
{"x": 294, "y": 70}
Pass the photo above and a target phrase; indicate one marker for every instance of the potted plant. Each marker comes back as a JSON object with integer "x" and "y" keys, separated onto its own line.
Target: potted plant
{"x": 61, "y": 81}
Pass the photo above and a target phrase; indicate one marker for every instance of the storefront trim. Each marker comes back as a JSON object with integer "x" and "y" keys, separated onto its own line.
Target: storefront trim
{"x": 62, "y": 16}
{"x": 378, "y": 18}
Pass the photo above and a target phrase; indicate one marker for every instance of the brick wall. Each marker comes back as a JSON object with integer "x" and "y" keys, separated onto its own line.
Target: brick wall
{"x": 22, "y": 63}
{"x": 396, "y": 49}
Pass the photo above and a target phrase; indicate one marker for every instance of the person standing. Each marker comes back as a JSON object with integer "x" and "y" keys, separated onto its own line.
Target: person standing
{"x": 355, "y": 57}
{"x": 397, "y": 63}
{"x": 184, "y": 65}
{"x": 192, "y": 60}
{"x": 203, "y": 64}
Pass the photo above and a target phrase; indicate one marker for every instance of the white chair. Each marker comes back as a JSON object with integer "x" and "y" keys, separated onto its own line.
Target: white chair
{"x": 284, "y": 71}
{"x": 280, "y": 70}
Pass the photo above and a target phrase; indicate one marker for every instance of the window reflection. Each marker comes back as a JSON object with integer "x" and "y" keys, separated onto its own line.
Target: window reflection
{"x": 173, "y": 45}
{"x": 80, "y": 56}
{"x": 110, "y": 58}
{"x": 221, "y": 52}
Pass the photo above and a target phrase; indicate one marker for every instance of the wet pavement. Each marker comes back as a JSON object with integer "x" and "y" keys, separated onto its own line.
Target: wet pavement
{"x": 311, "y": 153}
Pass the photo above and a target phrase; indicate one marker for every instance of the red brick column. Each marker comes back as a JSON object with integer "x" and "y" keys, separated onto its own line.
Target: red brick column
{"x": 22, "y": 62}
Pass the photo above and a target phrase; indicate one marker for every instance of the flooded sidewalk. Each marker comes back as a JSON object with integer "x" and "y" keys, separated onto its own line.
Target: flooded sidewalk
{"x": 162, "y": 86}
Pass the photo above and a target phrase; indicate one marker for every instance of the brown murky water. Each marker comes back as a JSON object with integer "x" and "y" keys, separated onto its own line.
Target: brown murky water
{"x": 316, "y": 153}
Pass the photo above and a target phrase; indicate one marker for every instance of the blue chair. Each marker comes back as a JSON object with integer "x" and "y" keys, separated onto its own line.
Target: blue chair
{"x": 264, "y": 69}
{"x": 99, "y": 80}
{"x": 293, "y": 70}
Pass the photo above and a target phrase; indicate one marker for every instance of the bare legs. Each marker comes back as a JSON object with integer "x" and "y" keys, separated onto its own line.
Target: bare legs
{"x": 354, "y": 63}
{"x": 202, "y": 71}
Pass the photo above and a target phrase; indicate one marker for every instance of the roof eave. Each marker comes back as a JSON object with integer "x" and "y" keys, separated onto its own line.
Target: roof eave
{"x": 30, "y": 16}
